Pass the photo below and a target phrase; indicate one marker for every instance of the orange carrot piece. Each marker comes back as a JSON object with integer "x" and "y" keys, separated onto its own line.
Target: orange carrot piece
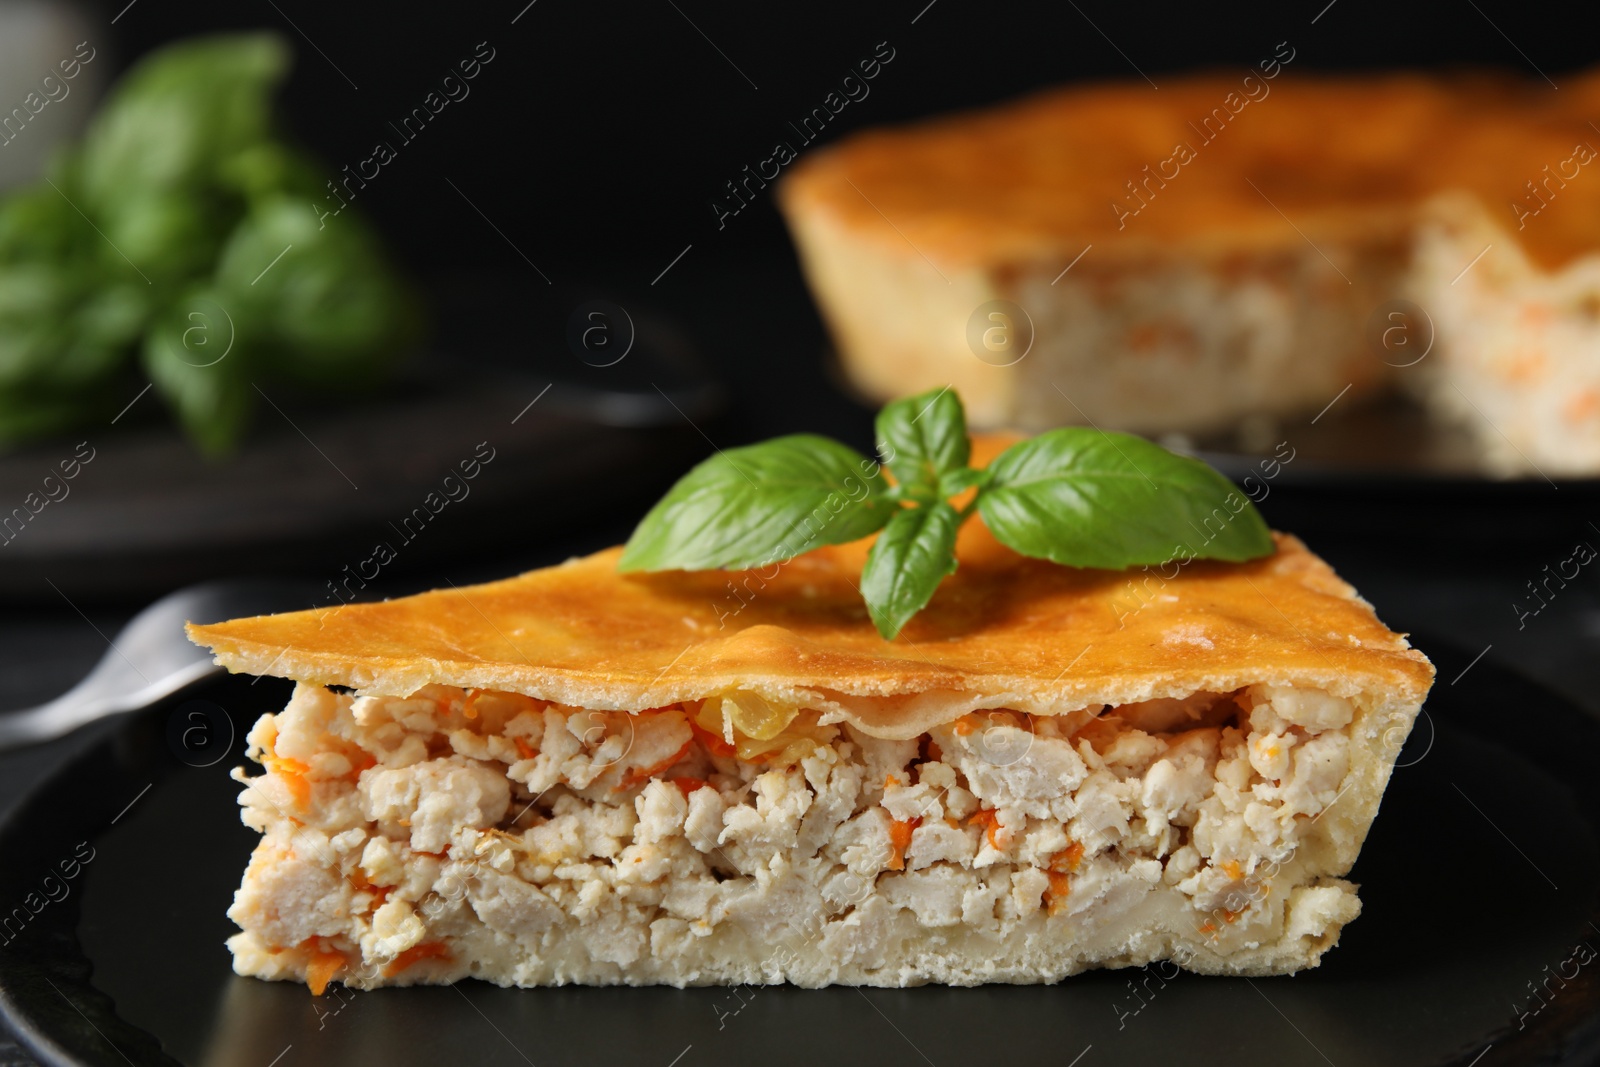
{"x": 900, "y": 831}
{"x": 990, "y": 818}
{"x": 1059, "y": 885}
{"x": 712, "y": 743}
{"x": 688, "y": 784}
{"x": 643, "y": 774}
{"x": 426, "y": 950}
{"x": 1067, "y": 860}
{"x": 324, "y": 962}
{"x": 293, "y": 774}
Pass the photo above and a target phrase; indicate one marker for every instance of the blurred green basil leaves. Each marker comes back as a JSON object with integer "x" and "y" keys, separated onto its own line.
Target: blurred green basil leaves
{"x": 180, "y": 241}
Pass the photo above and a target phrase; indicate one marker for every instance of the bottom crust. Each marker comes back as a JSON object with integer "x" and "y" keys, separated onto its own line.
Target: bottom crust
{"x": 458, "y": 834}
{"x": 1035, "y": 950}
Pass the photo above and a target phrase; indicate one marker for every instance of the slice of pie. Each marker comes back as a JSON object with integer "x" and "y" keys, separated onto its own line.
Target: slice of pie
{"x": 575, "y": 775}
{"x": 1232, "y": 245}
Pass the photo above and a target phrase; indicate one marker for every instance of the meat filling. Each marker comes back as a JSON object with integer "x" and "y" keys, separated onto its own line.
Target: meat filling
{"x": 462, "y": 832}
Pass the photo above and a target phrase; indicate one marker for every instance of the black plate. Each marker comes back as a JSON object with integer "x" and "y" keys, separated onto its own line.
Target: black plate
{"x": 1479, "y": 884}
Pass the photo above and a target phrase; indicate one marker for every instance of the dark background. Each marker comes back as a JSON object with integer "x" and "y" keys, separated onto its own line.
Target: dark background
{"x": 601, "y": 131}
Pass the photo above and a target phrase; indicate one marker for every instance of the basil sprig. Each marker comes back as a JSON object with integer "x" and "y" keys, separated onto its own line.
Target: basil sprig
{"x": 1076, "y": 496}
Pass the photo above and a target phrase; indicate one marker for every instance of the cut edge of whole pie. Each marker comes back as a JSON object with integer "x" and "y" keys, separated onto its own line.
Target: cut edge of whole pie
{"x": 578, "y": 776}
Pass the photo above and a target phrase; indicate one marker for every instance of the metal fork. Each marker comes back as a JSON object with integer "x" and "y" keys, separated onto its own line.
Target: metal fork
{"x": 151, "y": 658}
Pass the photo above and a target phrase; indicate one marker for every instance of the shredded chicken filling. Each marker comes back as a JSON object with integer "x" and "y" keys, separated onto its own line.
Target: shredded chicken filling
{"x": 392, "y": 824}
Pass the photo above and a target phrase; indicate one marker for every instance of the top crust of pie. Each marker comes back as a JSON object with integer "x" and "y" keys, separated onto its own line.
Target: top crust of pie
{"x": 1003, "y": 631}
{"x": 1336, "y": 155}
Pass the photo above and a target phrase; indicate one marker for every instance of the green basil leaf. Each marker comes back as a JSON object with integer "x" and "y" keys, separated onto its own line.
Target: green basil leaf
{"x": 751, "y": 506}
{"x": 332, "y": 312}
{"x": 208, "y": 387}
{"x": 178, "y": 115}
{"x": 1086, "y": 498}
{"x": 906, "y": 563}
{"x": 959, "y": 481}
{"x": 922, "y": 437}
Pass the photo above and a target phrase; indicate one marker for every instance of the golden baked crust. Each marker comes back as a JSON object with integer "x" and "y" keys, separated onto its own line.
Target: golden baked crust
{"x": 1003, "y": 631}
{"x": 1034, "y": 178}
